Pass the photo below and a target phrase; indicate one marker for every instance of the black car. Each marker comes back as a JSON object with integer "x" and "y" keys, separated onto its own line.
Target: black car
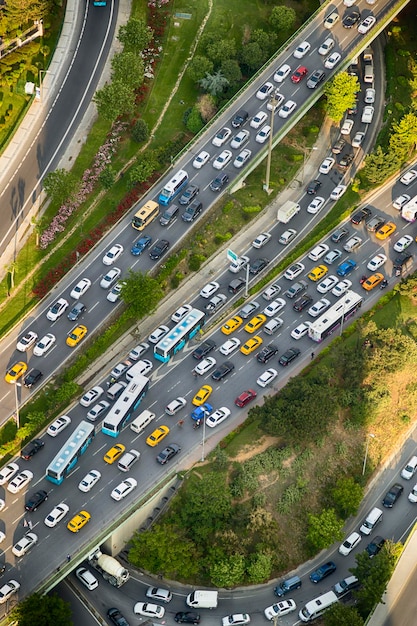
{"x": 159, "y": 249}
{"x": 168, "y": 453}
{"x": 31, "y": 449}
{"x": 339, "y": 145}
{"x": 117, "y": 618}
{"x": 78, "y": 309}
{"x": 192, "y": 211}
{"x": 189, "y": 194}
{"x": 203, "y": 350}
{"x": 346, "y": 160}
{"x": 36, "y": 499}
{"x": 339, "y": 234}
{"x": 360, "y": 216}
{"x": 392, "y": 495}
{"x": 223, "y": 370}
{"x": 236, "y": 285}
{"x": 187, "y": 617}
{"x": 258, "y": 265}
{"x": 33, "y": 377}
{"x": 322, "y": 572}
{"x": 240, "y": 118}
{"x": 351, "y": 19}
{"x": 289, "y": 355}
{"x": 302, "y": 302}
{"x": 219, "y": 182}
{"x": 267, "y": 353}
{"x": 375, "y": 546}
{"x": 313, "y": 187}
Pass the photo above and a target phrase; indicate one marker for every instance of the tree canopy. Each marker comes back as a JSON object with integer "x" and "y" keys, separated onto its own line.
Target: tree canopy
{"x": 323, "y": 530}
{"x": 141, "y": 293}
{"x": 46, "y": 610}
{"x": 135, "y": 35}
{"x": 341, "y": 94}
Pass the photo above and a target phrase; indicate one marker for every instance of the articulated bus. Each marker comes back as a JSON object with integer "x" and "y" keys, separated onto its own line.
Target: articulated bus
{"x": 69, "y": 454}
{"x": 123, "y": 408}
{"x": 145, "y": 215}
{"x": 173, "y": 187}
{"x": 176, "y": 339}
{"x": 344, "y": 308}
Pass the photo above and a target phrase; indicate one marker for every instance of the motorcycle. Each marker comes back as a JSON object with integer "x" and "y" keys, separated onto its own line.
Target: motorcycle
{"x": 2, "y": 570}
{"x": 383, "y": 284}
{"x": 197, "y": 424}
{"x": 362, "y": 280}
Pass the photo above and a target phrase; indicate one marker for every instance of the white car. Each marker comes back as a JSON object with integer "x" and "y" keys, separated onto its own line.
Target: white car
{"x": 27, "y": 341}
{"x": 267, "y": 377}
{"x": 7, "y": 473}
{"x": 275, "y": 100}
{"x": 287, "y": 109}
{"x": 2, "y": 534}
{"x": 98, "y": 410}
{"x": 326, "y": 46}
{"x": 338, "y": 192}
{"x": 271, "y": 291}
{"x": 332, "y": 256}
{"x": 110, "y": 278}
{"x": 229, "y": 346}
{"x": 332, "y": 60}
{"x": 238, "y": 619}
{"x": 263, "y": 134}
{"x": 57, "y": 309}
{"x": 342, "y": 287}
{"x": 11, "y": 587}
{"x": 358, "y": 139}
{"x": 209, "y": 289}
{"x": 114, "y": 294}
{"x": 369, "y": 96}
{"x": 239, "y": 264}
{"x": 410, "y": 469}
{"x": 217, "y": 417}
{"x": 401, "y": 245}
{"x": 274, "y": 307}
{"x": 175, "y": 405}
{"x": 80, "y": 288}
{"x": 119, "y": 369}
{"x": 353, "y": 243}
{"x": 301, "y": 330}
{"x": 318, "y": 251}
{"x": 326, "y": 165}
{"x": 123, "y": 489}
{"x": 412, "y": 496}
{"x": 261, "y": 240}
{"x": 327, "y": 284}
{"x": 87, "y": 578}
{"x": 259, "y": 119}
{"x": 91, "y": 396}
{"x": 157, "y": 593}
{"x": 149, "y": 610}
{"x": 158, "y": 334}
{"x": 368, "y": 114}
{"x": 331, "y": 20}
{"x": 242, "y": 157}
{"x": 221, "y": 137}
{"x": 201, "y": 159}
{"x": 294, "y": 270}
{"x": 319, "y": 307}
{"x": 315, "y": 205}
{"x": 376, "y": 262}
{"x": 113, "y": 254}
{"x": 301, "y": 50}
{"x": 240, "y": 139}
{"x": 181, "y": 313}
{"x": 222, "y": 160}
{"x": 205, "y": 366}
{"x": 282, "y": 73}
{"x": 347, "y": 127}
{"x": 408, "y": 177}
{"x": 56, "y": 515}
{"x": 44, "y": 344}
{"x": 25, "y": 544}
{"x": 265, "y": 91}
{"x": 87, "y": 483}
{"x": 20, "y": 481}
{"x": 279, "y": 609}
{"x": 138, "y": 351}
{"x": 350, "y": 543}
{"x": 400, "y": 201}
{"x": 367, "y": 24}
{"x": 59, "y": 425}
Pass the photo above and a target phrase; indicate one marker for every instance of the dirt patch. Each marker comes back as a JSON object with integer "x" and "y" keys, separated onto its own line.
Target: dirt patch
{"x": 249, "y": 451}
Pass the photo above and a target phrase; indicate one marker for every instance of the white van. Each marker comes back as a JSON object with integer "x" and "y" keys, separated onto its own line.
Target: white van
{"x": 127, "y": 460}
{"x": 372, "y": 519}
{"x": 142, "y": 421}
{"x": 202, "y": 599}
{"x": 141, "y": 368}
{"x": 317, "y": 607}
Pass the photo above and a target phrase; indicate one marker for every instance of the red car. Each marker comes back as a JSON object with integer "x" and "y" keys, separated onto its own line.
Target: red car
{"x": 245, "y": 397}
{"x": 299, "y": 73}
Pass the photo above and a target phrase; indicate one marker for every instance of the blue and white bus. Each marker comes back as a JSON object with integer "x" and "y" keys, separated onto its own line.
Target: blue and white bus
{"x": 173, "y": 187}
{"x": 123, "y": 408}
{"x": 176, "y": 339}
{"x": 334, "y": 317}
{"x": 69, "y": 454}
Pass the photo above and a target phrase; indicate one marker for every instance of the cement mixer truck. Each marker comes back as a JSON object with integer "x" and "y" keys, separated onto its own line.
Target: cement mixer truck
{"x": 109, "y": 568}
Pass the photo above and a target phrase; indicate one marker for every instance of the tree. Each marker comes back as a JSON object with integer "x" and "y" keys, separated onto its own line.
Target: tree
{"x": 282, "y": 18}
{"x": 265, "y": 42}
{"x": 403, "y": 139}
{"x": 59, "y": 185}
{"x": 198, "y": 67}
{"x": 231, "y": 70}
{"x": 323, "y": 530}
{"x": 140, "y": 131}
{"x": 135, "y": 35}
{"x": 46, "y": 610}
{"x": 194, "y": 121}
{"x": 107, "y": 177}
{"x": 347, "y": 496}
{"x": 141, "y": 293}
{"x": 206, "y": 107}
{"x": 259, "y": 568}
{"x": 379, "y": 165}
{"x": 342, "y": 615}
{"x": 251, "y": 55}
{"x": 145, "y": 166}
{"x": 221, "y": 49}
{"x": 341, "y": 94}
{"x": 128, "y": 68}
{"x": 214, "y": 83}
{"x": 228, "y": 572}
{"x": 113, "y": 100}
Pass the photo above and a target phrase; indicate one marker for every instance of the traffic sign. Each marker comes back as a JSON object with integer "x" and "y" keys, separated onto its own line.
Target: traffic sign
{"x": 232, "y": 256}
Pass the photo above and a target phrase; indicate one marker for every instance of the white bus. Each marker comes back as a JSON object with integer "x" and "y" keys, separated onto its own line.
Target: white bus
{"x": 344, "y": 308}
{"x": 173, "y": 187}
{"x": 70, "y": 452}
{"x": 178, "y": 336}
{"x": 122, "y": 409}
{"x": 317, "y": 607}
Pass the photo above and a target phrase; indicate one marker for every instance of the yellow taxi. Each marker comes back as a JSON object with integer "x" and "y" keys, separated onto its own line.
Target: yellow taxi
{"x": 318, "y": 272}
{"x": 157, "y": 436}
{"x": 373, "y": 281}
{"x": 251, "y": 345}
{"x": 386, "y": 230}
{"x": 78, "y": 521}
{"x": 16, "y": 372}
{"x": 231, "y": 325}
{"x": 114, "y": 453}
{"x": 202, "y": 395}
{"x": 255, "y": 323}
{"x": 75, "y": 336}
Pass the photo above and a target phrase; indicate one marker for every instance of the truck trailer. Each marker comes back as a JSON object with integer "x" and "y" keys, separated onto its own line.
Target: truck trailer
{"x": 287, "y": 211}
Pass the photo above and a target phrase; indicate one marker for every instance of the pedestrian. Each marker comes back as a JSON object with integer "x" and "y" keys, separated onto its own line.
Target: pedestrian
{"x": 30, "y": 525}
{"x": 58, "y": 568}
{"x": 25, "y": 524}
{"x": 68, "y": 558}
{"x": 312, "y": 355}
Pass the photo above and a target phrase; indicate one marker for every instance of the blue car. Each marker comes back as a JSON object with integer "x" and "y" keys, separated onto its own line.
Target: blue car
{"x": 141, "y": 245}
{"x": 322, "y": 572}
{"x": 346, "y": 268}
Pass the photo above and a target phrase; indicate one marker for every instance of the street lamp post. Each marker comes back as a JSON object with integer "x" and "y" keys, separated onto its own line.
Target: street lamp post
{"x": 268, "y": 160}
{"x": 204, "y": 438}
{"x": 366, "y": 451}
{"x": 306, "y": 151}
{"x": 16, "y": 399}
{"x": 41, "y": 83}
